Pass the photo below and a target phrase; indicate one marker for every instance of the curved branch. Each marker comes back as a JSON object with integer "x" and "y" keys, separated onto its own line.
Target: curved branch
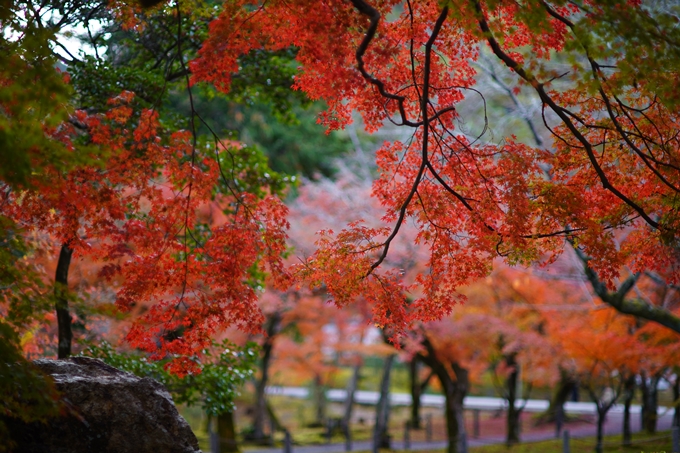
{"x": 617, "y": 125}
{"x": 426, "y": 129}
{"x": 374, "y": 16}
{"x": 634, "y": 307}
{"x": 546, "y": 99}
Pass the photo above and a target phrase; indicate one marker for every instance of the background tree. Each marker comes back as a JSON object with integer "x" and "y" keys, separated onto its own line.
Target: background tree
{"x": 604, "y": 358}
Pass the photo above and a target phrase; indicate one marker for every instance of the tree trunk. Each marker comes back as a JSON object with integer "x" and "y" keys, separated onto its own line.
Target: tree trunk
{"x": 514, "y": 413}
{"x": 628, "y": 395}
{"x": 603, "y": 406}
{"x": 562, "y": 393}
{"x": 455, "y": 419}
{"x": 455, "y": 388}
{"x": 381, "y": 438}
{"x": 415, "y": 392}
{"x": 61, "y": 304}
{"x": 319, "y": 400}
{"x": 349, "y": 400}
{"x": 650, "y": 402}
{"x": 676, "y": 398}
{"x": 601, "y": 415}
{"x": 260, "y": 397}
{"x": 226, "y": 431}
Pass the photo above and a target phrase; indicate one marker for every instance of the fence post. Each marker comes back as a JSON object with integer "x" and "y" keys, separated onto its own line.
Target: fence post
{"x": 407, "y": 435}
{"x": 272, "y": 429}
{"x": 329, "y": 432}
{"x": 676, "y": 438}
{"x": 428, "y": 428}
{"x": 213, "y": 437}
{"x": 475, "y": 423}
{"x": 565, "y": 442}
{"x": 287, "y": 442}
{"x": 559, "y": 419}
{"x": 348, "y": 438}
{"x": 214, "y": 443}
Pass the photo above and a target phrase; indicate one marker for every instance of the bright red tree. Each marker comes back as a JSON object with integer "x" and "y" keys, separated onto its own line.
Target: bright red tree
{"x": 614, "y": 162}
{"x": 138, "y": 212}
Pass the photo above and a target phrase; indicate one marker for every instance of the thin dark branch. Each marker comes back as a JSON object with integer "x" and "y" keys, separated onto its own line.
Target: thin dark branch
{"x": 374, "y": 16}
{"x": 426, "y": 130}
{"x": 546, "y": 99}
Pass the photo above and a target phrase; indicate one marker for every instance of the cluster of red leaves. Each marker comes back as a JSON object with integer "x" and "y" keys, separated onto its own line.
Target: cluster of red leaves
{"x": 470, "y": 201}
{"x": 137, "y": 210}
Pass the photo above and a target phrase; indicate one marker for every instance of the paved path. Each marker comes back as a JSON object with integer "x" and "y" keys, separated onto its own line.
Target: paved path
{"x": 427, "y": 400}
{"x": 613, "y": 425}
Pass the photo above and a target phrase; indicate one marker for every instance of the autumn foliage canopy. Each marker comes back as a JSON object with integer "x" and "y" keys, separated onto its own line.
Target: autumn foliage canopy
{"x": 609, "y": 183}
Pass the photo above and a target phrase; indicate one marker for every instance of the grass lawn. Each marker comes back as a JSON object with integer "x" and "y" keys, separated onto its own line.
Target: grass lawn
{"x": 642, "y": 443}
{"x": 296, "y": 415}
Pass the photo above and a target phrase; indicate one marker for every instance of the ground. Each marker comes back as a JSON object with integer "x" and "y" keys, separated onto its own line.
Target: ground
{"x": 296, "y": 415}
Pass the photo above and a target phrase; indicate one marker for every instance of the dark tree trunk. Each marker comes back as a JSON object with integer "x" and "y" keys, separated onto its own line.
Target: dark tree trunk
{"x": 226, "y": 430}
{"x": 349, "y": 400}
{"x": 628, "y": 395}
{"x": 601, "y": 415}
{"x": 650, "y": 402}
{"x": 381, "y": 438}
{"x": 455, "y": 388}
{"x": 61, "y": 304}
{"x": 455, "y": 420}
{"x": 514, "y": 413}
{"x": 603, "y": 407}
{"x": 415, "y": 392}
{"x": 563, "y": 392}
{"x": 260, "y": 415}
{"x": 319, "y": 400}
{"x": 676, "y": 398}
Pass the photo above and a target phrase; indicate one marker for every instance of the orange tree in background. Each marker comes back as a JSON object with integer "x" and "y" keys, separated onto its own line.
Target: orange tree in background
{"x": 604, "y": 73}
{"x": 604, "y": 358}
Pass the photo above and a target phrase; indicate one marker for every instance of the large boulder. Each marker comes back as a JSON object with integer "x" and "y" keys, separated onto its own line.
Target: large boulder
{"x": 106, "y": 411}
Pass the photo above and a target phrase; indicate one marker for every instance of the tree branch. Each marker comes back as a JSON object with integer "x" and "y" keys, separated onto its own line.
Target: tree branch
{"x": 634, "y": 307}
{"x": 546, "y": 99}
{"x": 426, "y": 129}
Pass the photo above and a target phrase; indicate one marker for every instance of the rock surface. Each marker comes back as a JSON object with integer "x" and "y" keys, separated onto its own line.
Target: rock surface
{"x": 109, "y": 411}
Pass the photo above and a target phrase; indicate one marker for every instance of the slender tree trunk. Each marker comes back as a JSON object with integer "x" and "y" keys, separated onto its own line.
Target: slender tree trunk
{"x": 226, "y": 430}
{"x": 628, "y": 395}
{"x": 319, "y": 400}
{"x": 61, "y": 304}
{"x": 455, "y": 388}
{"x": 676, "y": 398}
{"x": 564, "y": 390}
{"x": 601, "y": 415}
{"x": 455, "y": 416}
{"x": 381, "y": 438}
{"x": 603, "y": 407}
{"x": 514, "y": 413}
{"x": 260, "y": 397}
{"x": 349, "y": 400}
{"x": 650, "y": 402}
{"x": 415, "y": 392}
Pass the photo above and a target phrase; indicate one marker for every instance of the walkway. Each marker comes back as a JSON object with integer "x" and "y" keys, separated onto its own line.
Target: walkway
{"x": 470, "y": 402}
{"x": 613, "y": 424}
